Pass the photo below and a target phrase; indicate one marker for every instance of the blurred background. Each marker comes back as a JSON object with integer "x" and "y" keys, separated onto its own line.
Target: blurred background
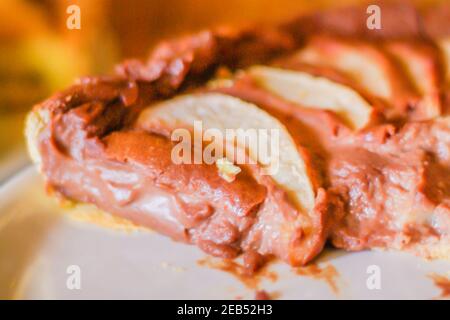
{"x": 39, "y": 54}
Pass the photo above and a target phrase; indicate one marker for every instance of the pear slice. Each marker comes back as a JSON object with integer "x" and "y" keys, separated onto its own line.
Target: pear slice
{"x": 366, "y": 64}
{"x": 222, "y": 112}
{"x": 421, "y": 64}
{"x": 362, "y": 62}
{"x": 315, "y": 92}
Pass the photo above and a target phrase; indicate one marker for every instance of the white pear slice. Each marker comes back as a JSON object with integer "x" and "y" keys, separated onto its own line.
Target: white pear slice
{"x": 222, "y": 112}
{"x": 364, "y": 64}
{"x": 369, "y": 66}
{"x": 419, "y": 65}
{"x": 315, "y": 92}
{"x": 422, "y": 68}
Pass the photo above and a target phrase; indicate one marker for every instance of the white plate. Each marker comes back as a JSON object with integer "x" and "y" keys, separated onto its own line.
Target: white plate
{"x": 38, "y": 245}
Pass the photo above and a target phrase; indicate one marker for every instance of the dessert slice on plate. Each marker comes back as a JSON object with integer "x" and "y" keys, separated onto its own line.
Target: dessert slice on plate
{"x": 120, "y": 158}
{"x": 357, "y": 136}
